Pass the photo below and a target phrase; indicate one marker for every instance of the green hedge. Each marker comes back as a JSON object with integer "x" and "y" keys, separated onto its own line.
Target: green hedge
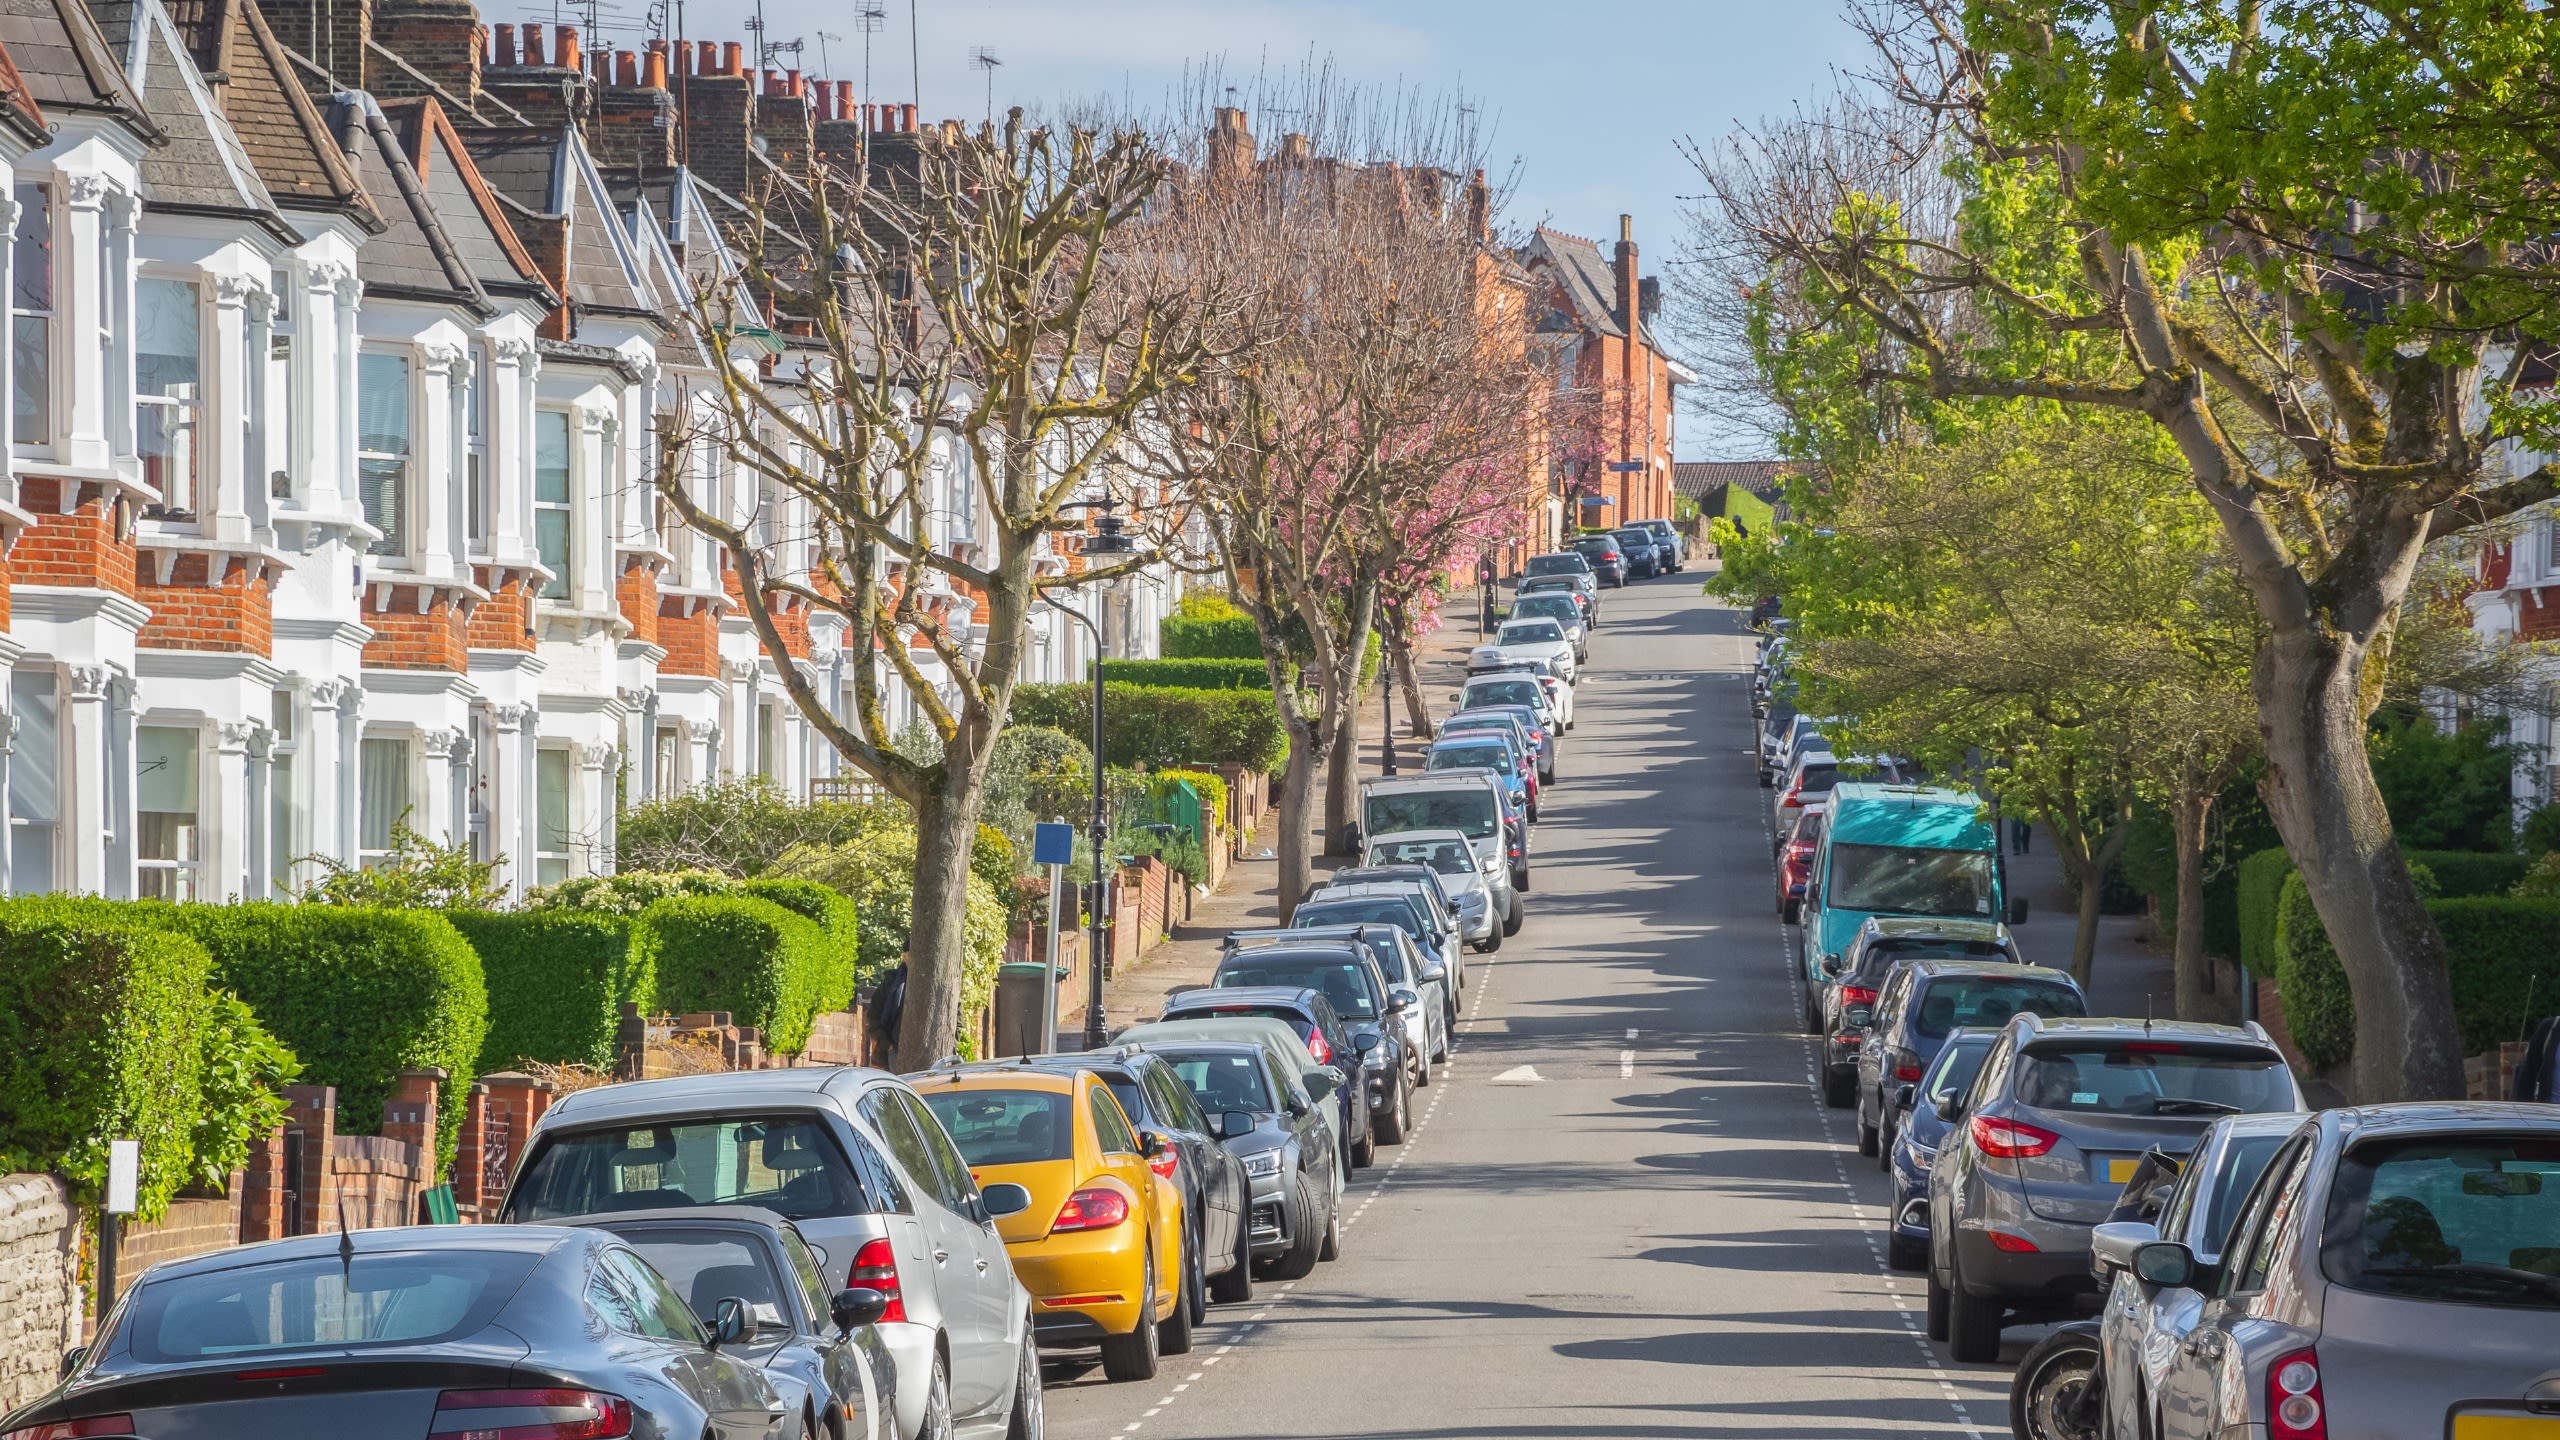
{"x": 1195, "y": 637}
{"x": 2498, "y": 953}
{"x": 2459, "y": 874}
{"x": 1152, "y": 727}
{"x": 359, "y": 994}
{"x": 1191, "y": 674}
{"x": 837, "y": 915}
{"x": 765, "y": 965}
{"x": 557, "y": 981}
{"x": 103, "y": 1019}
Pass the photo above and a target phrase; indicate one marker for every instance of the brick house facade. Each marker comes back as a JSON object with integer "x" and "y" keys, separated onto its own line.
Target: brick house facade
{"x": 1616, "y": 445}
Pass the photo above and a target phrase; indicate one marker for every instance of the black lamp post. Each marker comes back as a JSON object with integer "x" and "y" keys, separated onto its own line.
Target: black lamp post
{"x": 1109, "y": 537}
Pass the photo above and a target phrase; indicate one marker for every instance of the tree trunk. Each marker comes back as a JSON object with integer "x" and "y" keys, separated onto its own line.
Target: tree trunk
{"x": 1342, "y": 780}
{"x": 2197, "y": 995}
{"x": 1418, "y": 722}
{"x": 1297, "y": 798}
{"x": 2088, "y": 867}
{"x": 946, "y": 830}
{"x": 2319, "y": 787}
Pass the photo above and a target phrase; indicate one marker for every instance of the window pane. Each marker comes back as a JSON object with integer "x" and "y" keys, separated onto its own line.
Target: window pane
{"x": 551, "y": 457}
{"x": 551, "y": 541}
{"x": 282, "y": 851}
{"x": 551, "y": 799}
{"x": 168, "y": 372}
{"x": 31, "y": 379}
{"x": 382, "y": 435}
{"x": 31, "y": 259}
{"x": 165, "y": 805}
{"x": 385, "y": 780}
{"x": 280, "y": 387}
{"x": 34, "y": 793}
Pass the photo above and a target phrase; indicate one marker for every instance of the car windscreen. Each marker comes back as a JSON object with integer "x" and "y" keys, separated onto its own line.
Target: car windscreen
{"x": 1564, "y": 585}
{"x": 2152, "y": 1077}
{"x": 1449, "y": 857}
{"x": 1532, "y": 632}
{"x": 1223, "y": 1080}
{"x": 1496, "y": 757}
{"x": 2464, "y": 1219}
{"x": 787, "y": 1164}
{"x": 1556, "y": 565}
{"x": 1879, "y": 958}
{"x": 1953, "y": 1071}
{"x": 1559, "y": 608}
{"x": 1472, "y": 812}
{"x": 709, "y": 1266}
{"x": 1505, "y": 692}
{"x": 2242, "y": 1161}
{"x": 1902, "y": 880}
{"x": 412, "y": 1297}
{"x": 1958, "y": 1002}
{"x": 1636, "y": 537}
{"x": 1343, "y": 982}
{"x": 1376, "y": 910}
{"x": 1006, "y": 1127}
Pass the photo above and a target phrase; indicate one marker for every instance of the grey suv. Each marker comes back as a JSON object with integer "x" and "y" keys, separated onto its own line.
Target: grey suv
{"x": 2042, "y": 1145}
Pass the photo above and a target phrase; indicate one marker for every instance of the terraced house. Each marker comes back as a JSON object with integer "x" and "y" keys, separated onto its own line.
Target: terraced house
{"x": 341, "y": 342}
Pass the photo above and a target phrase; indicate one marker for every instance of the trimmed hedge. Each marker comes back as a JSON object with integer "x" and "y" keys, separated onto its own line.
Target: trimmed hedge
{"x": 1198, "y": 637}
{"x": 2459, "y": 874}
{"x": 103, "y": 1020}
{"x": 1190, "y": 674}
{"x": 765, "y": 965}
{"x": 359, "y": 994}
{"x": 836, "y": 914}
{"x": 557, "y": 980}
{"x": 1151, "y": 727}
{"x": 2497, "y": 954}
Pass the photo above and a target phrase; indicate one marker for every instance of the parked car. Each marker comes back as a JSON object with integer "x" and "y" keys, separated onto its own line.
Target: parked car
{"x": 1467, "y": 802}
{"x": 1917, "y": 1133}
{"x": 1464, "y": 751}
{"x": 1670, "y": 547}
{"x": 1527, "y": 638}
{"x": 2391, "y": 1274}
{"x": 1607, "y": 561}
{"x": 1277, "y": 1133}
{"x": 1348, "y": 977}
{"x": 1906, "y": 850}
{"x": 1319, "y": 1027}
{"x": 852, "y": 1157}
{"x": 1211, "y": 1181}
{"x": 1795, "y": 861}
{"x": 1428, "y": 1025}
{"x": 1565, "y": 610}
{"x": 1559, "y": 694}
{"x": 1529, "y": 724}
{"x": 1104, "y": 1246}
{"x": 1924, "y": 1001}
{"x": 1511, "y": 688}
{"x": 1287, "y": 1051}
{"x": 1781, "y": 746}
{"x": 2053, "y": 1127}
{"x": 1856, "y": 979}
{"x": 1454, "y": 912}
{"x": 1642, "y": 556}
{"x": 1582, "y": 585}
{"x": 1448, "y": 852}
{"x": 820, "y": 1350}
{"x": 412, "y": 1331}
{"x": 1521, "y": 737}
{"x": 1553, "y": 564}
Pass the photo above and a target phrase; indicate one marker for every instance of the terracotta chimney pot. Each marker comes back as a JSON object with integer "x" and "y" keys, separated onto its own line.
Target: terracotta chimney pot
{"x": 653, "y": 70}
{"x": 907, "y": 118}
{"x": 844, "y": 100}
{"x": 567, "y": 58}
{"x": 791, "y": 83}
{"x": 733, "y": 59}
{"x": 626, "y": 69}
{"x": 505, "y": 35}
{"x": 532, "y": 44}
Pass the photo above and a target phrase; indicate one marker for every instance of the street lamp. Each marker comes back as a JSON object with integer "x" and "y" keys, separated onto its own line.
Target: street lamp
{"x": 1109, "y": 537}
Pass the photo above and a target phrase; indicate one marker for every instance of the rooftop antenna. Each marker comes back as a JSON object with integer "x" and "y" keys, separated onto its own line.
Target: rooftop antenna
{"x": 915, "y": 56}
{"x": 985, "y": 59}
{"x": 826, "y": 66}
{"x": 870, "y": 20}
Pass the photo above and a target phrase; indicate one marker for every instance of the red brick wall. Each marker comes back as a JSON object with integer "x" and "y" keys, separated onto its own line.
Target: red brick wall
{"x": 403, "y": 639}
{"x": 692, "y": 642}
{"x": 234, "y": 613}
{"x": 504, "y": 621}
{"x": 637, "y": 591}
{"x": 794, "y": 625}
{"x": 2538, "y": 622}
{"x": 78, "y": 549}
{"x": 191, "y": 1227}
{"x": 5, "y": 582}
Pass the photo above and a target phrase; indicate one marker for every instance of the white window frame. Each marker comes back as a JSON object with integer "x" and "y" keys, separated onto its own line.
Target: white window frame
{"x": 33, "y": 754}
{"x": 398, "y": 540}
{"x": 563, "y": 586}
{"x": 185, "y": 871}
{"x": 554, "y": 849}
{"x": 285, "y": 816}
{"x": 183, "y": 427}
{"x": 406, "y": 745}
{"x": 278, "y": 399}
{"x": 480, "y": 510}
{"x": 36, "y": 205}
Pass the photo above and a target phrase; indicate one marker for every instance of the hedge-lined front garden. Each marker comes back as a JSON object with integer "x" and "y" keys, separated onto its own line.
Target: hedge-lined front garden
{"x": 1150, "y": 727}
{"x": 2458, "y": 874}
{"x": 765, "y": 965}
{"x": 557, "y": 982}
{"x": 1172, "y": 674}
{"x": 2498, "y": 956}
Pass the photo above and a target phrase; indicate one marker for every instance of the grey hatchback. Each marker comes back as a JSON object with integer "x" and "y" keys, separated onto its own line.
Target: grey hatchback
{"x": 2054, "y": 1126}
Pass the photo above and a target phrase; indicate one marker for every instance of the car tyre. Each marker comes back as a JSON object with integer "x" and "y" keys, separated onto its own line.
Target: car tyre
{"x": 1510, "y": 922}
{"x": 1973, "y": 1325}
{"x": 1839, "y": 1092}
{"x": 1173, "y": 1337}
{"x": 1306, "y": 1241}
{"x": 1812, "y": 1014}
{"x": 1901, "y": 1252}
{"x": 1364, "y": 1151}
{"x": 1236, "y": 1286}
{"x": 1937, "y": 1308}
{"x": 1520, "y": 879}
{"x": 2063, "y": 1372}
{"x": 1868, "y": 1136}
{"x": 1389, "y": 1128}
{"x": 1331, "y": 1249}
{"x": 1133, "y": 1356}
{"x": 1886, "y": 1135}
{"x": 937, "y": 1402}
{"x": 1030, "y": 1417}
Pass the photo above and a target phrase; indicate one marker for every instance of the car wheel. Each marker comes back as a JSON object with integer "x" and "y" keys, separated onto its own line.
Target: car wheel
{"x": 1364, "y": 1151}
{"x": 1173, "y": 1337}
{"x": 1510, "y": 922}
{"x": 1533, "y": 809}
{"x": 1885, "y": 1136}
{"x": 1937, "y": 1310}
{"x": 1793, "y": 913}
{"x": 1236, "y": 1286}
{"x": 1901, "y": 1252}
{"x": 1389, "y": 1128}
{"x": 937, "y": 1402}
{"x": 1332, "y": 1247}
{"x": 1030, "y": 1419}
{"x": 1838, "y": 1092}
{"x": 1520, "y": 879}
{"x": 1867, "y": 1136}
{"x": 1973, "y": 1325}
{"x": 1133, "y": 1356}
{"x": 2059, "y": 1389}
{"x": 1306, "y": 1239}
{"x": 1812, "y": 1014}
{"x": 1422, "y": 1066}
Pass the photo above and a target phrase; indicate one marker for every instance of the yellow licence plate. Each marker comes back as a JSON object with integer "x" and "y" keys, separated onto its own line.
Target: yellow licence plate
{"x": 2119, "y": 1171}
{"x": 2504, "y": 1427}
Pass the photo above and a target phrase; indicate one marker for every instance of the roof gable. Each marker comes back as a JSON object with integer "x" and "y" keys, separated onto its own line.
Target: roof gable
{"x": 282, "y": 130}
{"x": 65, "y": 63}
{"x": 455, "y": 212}
{"x": 200, "y": 166}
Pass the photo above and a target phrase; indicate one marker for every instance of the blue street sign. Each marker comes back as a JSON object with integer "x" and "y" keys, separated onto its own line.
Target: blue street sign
{"x": 1624, "y": 466}
{"x": 1052, "y": 844}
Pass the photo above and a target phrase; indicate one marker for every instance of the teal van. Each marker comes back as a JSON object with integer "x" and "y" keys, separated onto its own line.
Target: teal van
{"x": 1899, "y": 850}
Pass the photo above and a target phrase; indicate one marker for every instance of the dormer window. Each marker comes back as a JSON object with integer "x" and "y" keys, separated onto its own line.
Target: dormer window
{"x": 31, "y": 319}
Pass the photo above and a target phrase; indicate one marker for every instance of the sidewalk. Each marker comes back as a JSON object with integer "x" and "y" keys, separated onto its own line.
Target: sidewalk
{"x": 2128, "y": 976}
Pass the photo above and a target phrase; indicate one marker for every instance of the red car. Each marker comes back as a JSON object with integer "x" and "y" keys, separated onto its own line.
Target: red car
{"x": 1795, "y": 862}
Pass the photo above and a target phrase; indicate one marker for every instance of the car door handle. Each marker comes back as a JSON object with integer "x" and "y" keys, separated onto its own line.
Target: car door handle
{"x": 982, "y": 1267}
{"x": 2204, "y": 1345}
{"x": 941, "y": 1255}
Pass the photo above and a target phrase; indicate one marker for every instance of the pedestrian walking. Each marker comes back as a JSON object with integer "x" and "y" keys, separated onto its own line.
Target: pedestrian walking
{"x": 2018, "y": 833}
{"x": 888, "y": 1008}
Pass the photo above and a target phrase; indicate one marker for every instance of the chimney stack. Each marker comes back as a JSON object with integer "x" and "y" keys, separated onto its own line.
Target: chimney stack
{"x": 567, "y": 54}
{"x": 653, "y": 71}
{"x": 720, "y": 116}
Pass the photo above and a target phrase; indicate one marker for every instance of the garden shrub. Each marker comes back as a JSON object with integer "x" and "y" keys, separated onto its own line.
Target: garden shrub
{"x": 835, "y": 914}
{"x": 103, "y": 1023}
{"x": 242, "y": 1083}
{"x": 878, "y": 874}
{"x": 737, "y": 827}
{"x": 1149, "y": 726}
{"x": 2498, "y": 958}
{"x": 2457, "y": 874}
{"x": 763, "y": 964}
{"x": 628, "y": 893}
{"x": 1219, "y": 674}
{"x": 557, "y": 981}
{"x": 359, "y": 994}
{"x": 2318, "y": 1008}
{"x": 2540, "y": 833}
{"x": 1208, "y": 627}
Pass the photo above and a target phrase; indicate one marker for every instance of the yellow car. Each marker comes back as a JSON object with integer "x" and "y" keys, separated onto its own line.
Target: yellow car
{"x": 1100, "y": 1246}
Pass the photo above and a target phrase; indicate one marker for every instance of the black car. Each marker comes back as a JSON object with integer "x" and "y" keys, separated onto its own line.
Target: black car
{"x": 428, "y": 1330}
{"x": 1644, "y": 555}
{"x": 1606, "y": 559}
{"x": 1869, "y": 960}
{"x": 1274, "y": 1129}
{"x": 1327, "y": 1037}
{"x": 1348, "y": 977}
{"x": 1212, "y": 1181}
{"x": 819, "y": 1349}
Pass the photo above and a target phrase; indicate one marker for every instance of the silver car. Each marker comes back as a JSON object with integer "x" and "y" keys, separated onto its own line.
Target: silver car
{"x": 1527, "y": 638}
{"x": 1447, "y": 852}
{"x": 2394, "y": 1273}
{"x": 1562, "y": 609}
{"x": 852, "y": 1157}
{"x": 2043, "y": 1143}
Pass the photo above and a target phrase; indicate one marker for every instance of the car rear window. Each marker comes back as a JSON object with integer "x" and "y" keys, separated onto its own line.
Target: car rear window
{"x": 1197, "y": 1010}
{"x": 709, "y": 1266}
{"x": 2468, "y": 1219}
{"x": 1221, "y": 1080}
{"x": 412, "y": 1297}
{"x": 1883, "y": 955}
{"x": 1533, "y": 632}
{"x": 1340, "y": 981}
{"x": 1557, "y": 565}
{"x": 1382, "y": 910}
{"x": 1504, "y": 692}
{"x": 787, "y": 1164}
{"x": 1006, "y": 1127}
{"x": 1957, "y": 1002}
{"x": 2141, "y": 1077}
{"x": 1460, "y": 757}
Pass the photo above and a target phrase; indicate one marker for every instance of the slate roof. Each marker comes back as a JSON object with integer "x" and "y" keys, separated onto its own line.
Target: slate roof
{"x": 1588, "y": 280}
{"x": 446, "y": 236}
{"x": 65, "y": 63}
{"x": 546, "y": 177}
{"x": 297, "y": 151}
{"x": 201, "y": 167}
{"x": 1694, "y": 478}
{"x": 18, "y": 109}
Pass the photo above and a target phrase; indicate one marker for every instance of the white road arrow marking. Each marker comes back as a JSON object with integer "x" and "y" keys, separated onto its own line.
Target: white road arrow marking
{"x": 1518, "y": 1075}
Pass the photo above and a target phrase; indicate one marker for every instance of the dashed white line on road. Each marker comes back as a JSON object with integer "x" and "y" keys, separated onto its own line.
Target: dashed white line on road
{"x": 1627, "y": 1063}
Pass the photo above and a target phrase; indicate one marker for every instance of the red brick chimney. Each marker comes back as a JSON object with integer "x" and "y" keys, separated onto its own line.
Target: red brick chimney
{"x": 440, "y": 39}
{"x": 1629, "y": 307}
{"x": 1231, "y": 145}
{"x": 720, "y": 117}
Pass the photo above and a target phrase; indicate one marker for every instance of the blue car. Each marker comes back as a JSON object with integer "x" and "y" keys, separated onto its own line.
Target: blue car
{"x": 1485, "y": 752}
{"x": 1916, "y": 1141}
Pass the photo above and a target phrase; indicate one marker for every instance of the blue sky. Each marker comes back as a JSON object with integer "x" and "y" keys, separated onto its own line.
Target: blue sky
{"x": 1590, "y": 97}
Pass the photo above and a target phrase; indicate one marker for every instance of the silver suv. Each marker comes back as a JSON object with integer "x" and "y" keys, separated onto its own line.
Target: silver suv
{"x": 856, "y": 1160}
{"x": 2042, "y": 1145}
{"x": 1467, "y": 801}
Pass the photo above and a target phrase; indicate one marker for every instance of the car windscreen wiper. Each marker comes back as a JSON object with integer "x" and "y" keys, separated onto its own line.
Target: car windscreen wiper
{"x": 2180, "y": 1105}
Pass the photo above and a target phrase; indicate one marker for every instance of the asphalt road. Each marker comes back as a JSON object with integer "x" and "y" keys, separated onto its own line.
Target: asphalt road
{"x": 1625, "y": 1212}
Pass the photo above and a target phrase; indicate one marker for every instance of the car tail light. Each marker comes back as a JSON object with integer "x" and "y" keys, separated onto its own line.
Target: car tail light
{"x": 875, "y": 1267}
{"x": 1857, "y": 995}
{"x": 2013, "y": 1244}
{"x": 2011, "y": 1139}
{"x": 2294, "y": 1409}
{"x": 1164, "y": 1161}
{"x": 1317, "y": 1049}
{"x": 1848, "y": 1037}
{"x": 74, "y": 1429}
{"x": 530, "y": 1415}
{"x": 1096, "y": 1207}
{"x": 1906, "y": 1073}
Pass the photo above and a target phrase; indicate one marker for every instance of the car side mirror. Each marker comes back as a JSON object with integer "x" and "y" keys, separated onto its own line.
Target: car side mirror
{"x": 729, "y": 1323}
{"x": 1366, "y": 1043}
{"x": 1903, "y": 1096}
{"x": 1432, "y": 973}
{"x": 1151, "y": 1144}
{"x": 1321, "y": 1081}
{"x": 1950, "y": 1106}
{"x": 1005, "y": 1198}
{"x": 2111, "y": 1245}
{"x": 1832, "y": 965}
{"x": 71, "y": 1359}
{"x": 1400, "y": 1000}
{"x": 2165, "y": 1263}
{"x": 852, "y": 1309}
{"x": 1235, "y": 1124}
{"x": 2017, "y": 912}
